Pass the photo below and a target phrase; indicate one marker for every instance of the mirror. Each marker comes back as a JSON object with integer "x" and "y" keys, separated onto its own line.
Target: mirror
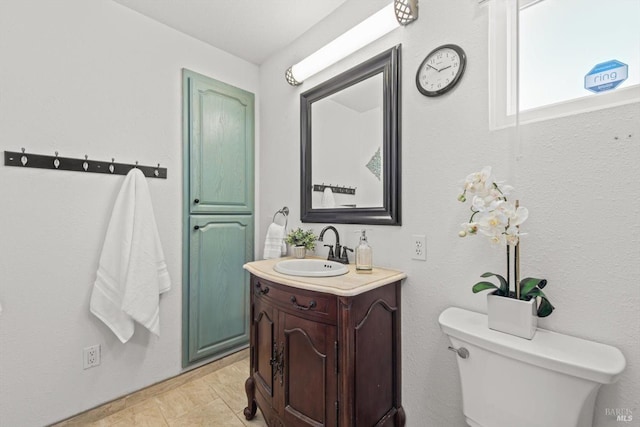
{"x": 350, "y": 145}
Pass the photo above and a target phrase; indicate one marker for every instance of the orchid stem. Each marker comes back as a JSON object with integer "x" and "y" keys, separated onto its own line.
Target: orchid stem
{"x": 516, "y": 260}
{"x": 508, "y": 270}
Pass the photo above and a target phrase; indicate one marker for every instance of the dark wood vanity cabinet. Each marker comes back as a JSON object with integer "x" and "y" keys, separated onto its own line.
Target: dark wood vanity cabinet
{"x": 319, "y": 359}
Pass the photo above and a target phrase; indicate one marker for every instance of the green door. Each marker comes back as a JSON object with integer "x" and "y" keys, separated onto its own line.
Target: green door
{"x": 218, "y": 133}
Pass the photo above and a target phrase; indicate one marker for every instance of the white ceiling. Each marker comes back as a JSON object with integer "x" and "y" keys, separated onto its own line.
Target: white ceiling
{"x": 250, "y": 29}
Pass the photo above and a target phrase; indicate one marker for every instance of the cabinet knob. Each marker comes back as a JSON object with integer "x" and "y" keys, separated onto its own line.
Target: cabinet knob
{"x": 196, "y": 227}
{"x": 196, "y": 201}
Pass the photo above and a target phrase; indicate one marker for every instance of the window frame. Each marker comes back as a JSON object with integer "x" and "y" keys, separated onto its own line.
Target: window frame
{"x": 503, "y": 75}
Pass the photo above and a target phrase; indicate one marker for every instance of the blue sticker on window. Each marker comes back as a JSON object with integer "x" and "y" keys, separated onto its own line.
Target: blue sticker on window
{"x": 606, "y": 76}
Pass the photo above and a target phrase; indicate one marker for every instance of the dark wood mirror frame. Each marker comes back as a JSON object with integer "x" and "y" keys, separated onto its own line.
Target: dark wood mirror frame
{"x": 387, "y": 63}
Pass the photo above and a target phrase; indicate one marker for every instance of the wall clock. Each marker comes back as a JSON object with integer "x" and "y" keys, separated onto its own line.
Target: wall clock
{"x": 441, "y": 70}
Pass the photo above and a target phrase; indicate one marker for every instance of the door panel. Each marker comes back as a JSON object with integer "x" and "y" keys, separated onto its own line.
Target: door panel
{"x": 221, "y": 133}
{"x": 310, "y": 377}
{"x": 374, "y": 335}
{"x": 218, "y": 297}
{"x": 264, "y": 333}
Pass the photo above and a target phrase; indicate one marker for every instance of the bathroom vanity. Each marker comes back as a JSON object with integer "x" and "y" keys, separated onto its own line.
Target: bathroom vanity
{"x": 325, "y": 351}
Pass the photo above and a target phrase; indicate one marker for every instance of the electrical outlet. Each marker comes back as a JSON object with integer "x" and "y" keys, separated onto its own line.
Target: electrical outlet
{"x": 91, "y": 356}
{"x": 419, "y": 247}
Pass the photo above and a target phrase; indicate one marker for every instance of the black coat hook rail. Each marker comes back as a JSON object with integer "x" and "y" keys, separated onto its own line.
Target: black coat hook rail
{"x": 335, "y": 188}
{"x": 28, "y": 160}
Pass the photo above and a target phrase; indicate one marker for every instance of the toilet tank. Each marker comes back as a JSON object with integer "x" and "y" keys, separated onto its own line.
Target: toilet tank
{"x": 551, "y": 380}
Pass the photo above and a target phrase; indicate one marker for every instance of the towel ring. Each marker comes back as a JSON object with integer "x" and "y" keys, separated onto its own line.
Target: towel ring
{"x": 285, "y": 212}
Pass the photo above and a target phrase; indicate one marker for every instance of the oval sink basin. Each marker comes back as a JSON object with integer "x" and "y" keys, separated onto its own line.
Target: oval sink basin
{"x": 311, "y": 267}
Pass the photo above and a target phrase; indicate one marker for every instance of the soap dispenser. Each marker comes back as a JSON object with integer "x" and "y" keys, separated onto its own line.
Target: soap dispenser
{"x": 364, "y": 255}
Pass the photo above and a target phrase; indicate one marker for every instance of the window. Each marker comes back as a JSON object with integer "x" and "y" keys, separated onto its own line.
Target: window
{"x": 561, "y": 57}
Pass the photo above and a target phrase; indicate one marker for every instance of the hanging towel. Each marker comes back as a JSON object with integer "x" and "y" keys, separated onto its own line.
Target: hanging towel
{"x": 274, "y": 245}
{"x": 328, "y": 201}
{"x": 132, "y": 272}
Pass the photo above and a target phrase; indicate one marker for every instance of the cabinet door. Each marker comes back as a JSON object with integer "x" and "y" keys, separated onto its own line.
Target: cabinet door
{"x": 309, "y": 390}
{"x": 221, "y": 137}
{"x": 218, "y": 294}
{"x": 264, "y": 347}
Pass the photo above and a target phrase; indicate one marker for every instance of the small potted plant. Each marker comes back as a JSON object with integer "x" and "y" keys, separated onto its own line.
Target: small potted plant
{"x": 492, "y": 215}
{"x": 301, "y": 241}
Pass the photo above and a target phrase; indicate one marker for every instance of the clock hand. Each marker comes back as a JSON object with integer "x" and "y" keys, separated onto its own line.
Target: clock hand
{"x": 433, "y": 67}
{"x": 448, "y": 66}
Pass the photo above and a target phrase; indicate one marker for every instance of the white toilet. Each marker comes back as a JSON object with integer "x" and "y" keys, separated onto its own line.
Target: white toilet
{"x": 549, "y": 381}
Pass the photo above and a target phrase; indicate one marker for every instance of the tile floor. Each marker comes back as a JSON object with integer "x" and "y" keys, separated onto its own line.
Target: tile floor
{"x": 216, "y": 399}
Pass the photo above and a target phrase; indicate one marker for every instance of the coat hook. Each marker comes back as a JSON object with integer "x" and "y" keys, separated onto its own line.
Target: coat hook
{"x": 157, "y": 172}
{"x": 112, "y": 166}
{"x": 56, "y": 161}
{"x": 24, "y": 158}
{"x": 85, "y": 165}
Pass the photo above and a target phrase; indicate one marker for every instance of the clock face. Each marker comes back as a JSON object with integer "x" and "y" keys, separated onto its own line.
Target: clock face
{"x": 441, "y": 70}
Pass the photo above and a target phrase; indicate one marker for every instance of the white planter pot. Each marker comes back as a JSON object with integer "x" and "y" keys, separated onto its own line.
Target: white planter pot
{"x": 512, "y": 316}
{"x": 299, "y": 251}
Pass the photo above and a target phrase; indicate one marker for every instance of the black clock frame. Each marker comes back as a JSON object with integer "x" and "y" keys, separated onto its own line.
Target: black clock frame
{"x": 456, "y": 79}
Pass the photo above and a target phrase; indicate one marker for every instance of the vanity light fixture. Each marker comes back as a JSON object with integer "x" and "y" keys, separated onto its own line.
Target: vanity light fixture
{"x": 400, "y": 12}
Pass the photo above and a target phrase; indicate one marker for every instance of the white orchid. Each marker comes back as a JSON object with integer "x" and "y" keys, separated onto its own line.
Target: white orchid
{"x": 468, "y": 228}
{"x": 479, "y": 182}
{"x": 492, "y": 214}
{"x": 497, "y": 218}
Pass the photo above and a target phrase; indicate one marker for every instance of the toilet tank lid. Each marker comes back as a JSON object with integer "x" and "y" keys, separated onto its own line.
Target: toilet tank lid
{"x": 563, "y": 353}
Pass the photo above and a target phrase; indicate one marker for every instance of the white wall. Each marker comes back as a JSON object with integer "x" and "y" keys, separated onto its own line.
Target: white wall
{"x": 577, "y": 175}
{"x": 85, "y": 77}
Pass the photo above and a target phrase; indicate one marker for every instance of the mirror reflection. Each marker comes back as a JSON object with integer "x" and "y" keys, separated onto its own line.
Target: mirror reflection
{"x": 347, "y": 147}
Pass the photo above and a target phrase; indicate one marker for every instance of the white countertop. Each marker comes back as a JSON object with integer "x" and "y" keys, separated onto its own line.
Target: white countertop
{"x": 349, "y": 284}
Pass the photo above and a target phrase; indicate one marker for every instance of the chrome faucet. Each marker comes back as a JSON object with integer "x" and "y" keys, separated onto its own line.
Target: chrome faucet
{"x": 335, "y": 254}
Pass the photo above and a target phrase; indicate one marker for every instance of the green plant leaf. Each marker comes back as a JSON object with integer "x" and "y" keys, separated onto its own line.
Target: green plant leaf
{"x": 536, "y": 293}
{"x": 528, "y": 284}
{"x": 483, "y": 286}
{"x": 504, "y": 286}
{"x": 300, "y": 237}
{"x": 545, "y": 308}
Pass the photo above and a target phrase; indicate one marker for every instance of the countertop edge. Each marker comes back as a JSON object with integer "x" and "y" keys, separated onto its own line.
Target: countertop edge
{"x": 264, "y": 269}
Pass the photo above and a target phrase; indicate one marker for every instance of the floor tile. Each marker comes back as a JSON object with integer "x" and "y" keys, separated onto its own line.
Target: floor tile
{"x": 144, "y": 414}
{"x": 205, "y": 398}
{"x": 215, "y": 414}
{"x": 185, "y": 398}
{"x": 228, "y": 383}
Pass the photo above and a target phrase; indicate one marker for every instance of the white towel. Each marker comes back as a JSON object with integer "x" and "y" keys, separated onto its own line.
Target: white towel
{"x": 274, "y": 245}
{"x": 132, "y": 272}
{"x": 328, "y": 201}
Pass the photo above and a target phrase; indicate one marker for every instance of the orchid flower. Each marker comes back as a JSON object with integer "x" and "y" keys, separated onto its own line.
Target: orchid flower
{"x": 492, "y": 215}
